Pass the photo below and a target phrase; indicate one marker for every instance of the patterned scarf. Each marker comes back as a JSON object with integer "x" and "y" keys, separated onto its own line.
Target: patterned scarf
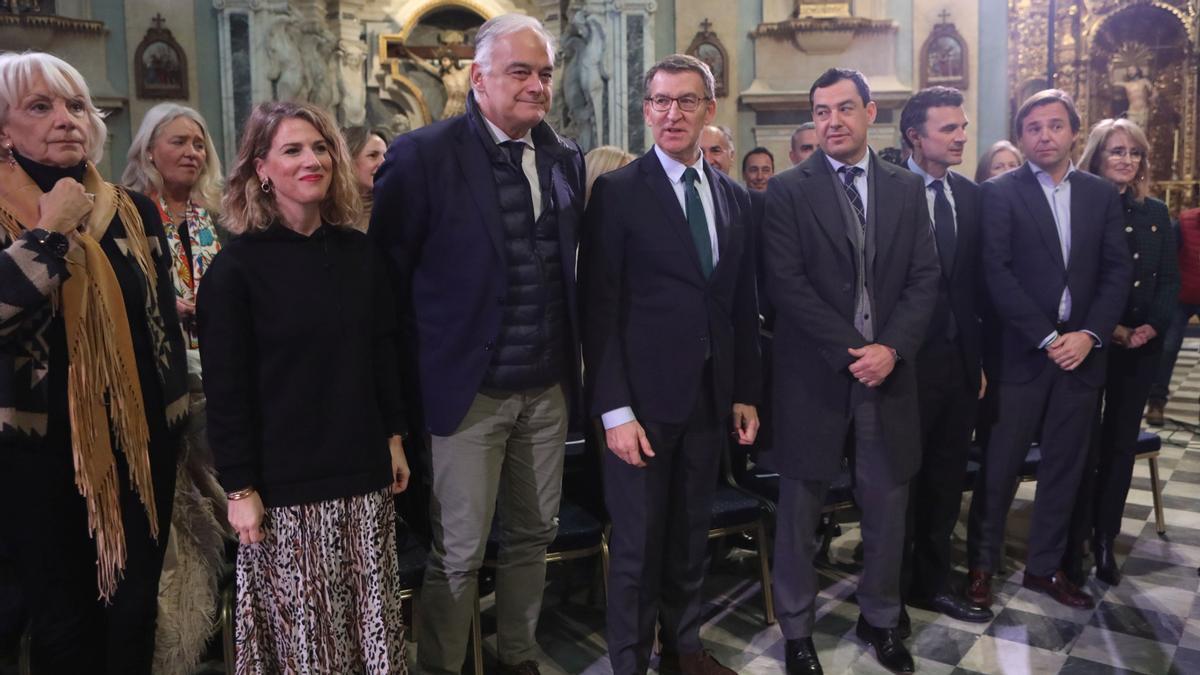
{"x": 103, "y": 390}
{"x": 202, "y": 239}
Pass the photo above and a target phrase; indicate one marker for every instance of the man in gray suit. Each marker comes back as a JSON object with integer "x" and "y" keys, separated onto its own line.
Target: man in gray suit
{"x": 853, "y": 275}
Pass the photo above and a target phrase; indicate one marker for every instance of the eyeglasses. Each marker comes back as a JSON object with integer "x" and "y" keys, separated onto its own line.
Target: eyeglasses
{"x": 687, "y": 102}
{"x": 1121, "y": 153}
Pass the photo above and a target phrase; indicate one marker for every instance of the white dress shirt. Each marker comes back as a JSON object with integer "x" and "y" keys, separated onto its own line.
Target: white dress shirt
{"x": 931, "y": 193}
{"x": 675, "y": 169}
{"x": 1059, "y": 198}
{"x": 528, "y": 162}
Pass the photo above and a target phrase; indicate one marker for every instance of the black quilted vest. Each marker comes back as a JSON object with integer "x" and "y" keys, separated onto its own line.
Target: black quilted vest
{"x": 529, "y": 349}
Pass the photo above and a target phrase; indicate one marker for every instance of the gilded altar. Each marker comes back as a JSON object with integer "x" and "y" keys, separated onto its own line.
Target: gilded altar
{"x": 1132, "y": 58}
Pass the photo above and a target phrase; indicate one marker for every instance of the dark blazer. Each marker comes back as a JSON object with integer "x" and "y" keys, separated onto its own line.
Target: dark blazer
{"x": 965, "y": 281}
{"x": 1024, "y": 272}
{"x": 650, "y": 316}
{"x": 437, "y": 216}
{"x": 811, "y": 273}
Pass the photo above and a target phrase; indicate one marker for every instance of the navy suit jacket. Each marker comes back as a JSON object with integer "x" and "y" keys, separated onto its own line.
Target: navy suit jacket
{"x": 650, "y": 315}
{"x": 1025, "y": 275}
{"x": 437, "y": 215}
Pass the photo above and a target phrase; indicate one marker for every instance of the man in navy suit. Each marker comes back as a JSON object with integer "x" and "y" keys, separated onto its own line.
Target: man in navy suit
{"x": 671, "y": 347}
{"x": 949, "y": 371}
{"x": 480, "y": 214}
{"x": 1057, "y": 268}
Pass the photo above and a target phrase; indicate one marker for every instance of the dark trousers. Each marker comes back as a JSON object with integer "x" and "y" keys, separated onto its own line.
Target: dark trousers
{"x": 948, "y": 403}
{"x": 1109, "y": 468}
{"x": 883, "y": 501}
{"x": 660, "y": 519}
{"x": 1065, "y": 407}
{"x": 45, "y": 524}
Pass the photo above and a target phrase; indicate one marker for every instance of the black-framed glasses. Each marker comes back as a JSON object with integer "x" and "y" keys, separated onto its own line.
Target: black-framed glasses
{"x": 687, "y": 102}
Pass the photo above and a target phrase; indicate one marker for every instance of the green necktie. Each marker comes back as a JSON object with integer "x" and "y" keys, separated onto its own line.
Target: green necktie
{"x": 697, "y": 221}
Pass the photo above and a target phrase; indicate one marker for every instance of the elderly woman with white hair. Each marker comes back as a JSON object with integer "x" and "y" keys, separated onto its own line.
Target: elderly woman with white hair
{"x": 92, "y": 378}
{"x": 172, "y": 160}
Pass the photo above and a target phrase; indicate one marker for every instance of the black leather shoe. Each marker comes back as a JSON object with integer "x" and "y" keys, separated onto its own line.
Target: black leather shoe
{"x": 801, "y": 657}
{"x": 889, "y": 649}
{"x": 904, "y": 625}
{"x": 1106, "y": 562}
{"x": 955, "y": 607}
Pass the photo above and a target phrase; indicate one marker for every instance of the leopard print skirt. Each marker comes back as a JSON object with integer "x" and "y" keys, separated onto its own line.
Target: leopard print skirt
{"x": 321, "y": 593}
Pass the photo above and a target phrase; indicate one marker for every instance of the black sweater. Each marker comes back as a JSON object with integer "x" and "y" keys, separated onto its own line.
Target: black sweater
{"x": 298, "y": 343}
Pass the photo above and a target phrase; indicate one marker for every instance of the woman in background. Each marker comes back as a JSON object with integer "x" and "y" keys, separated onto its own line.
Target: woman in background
{"x": 1117, "y": 149}
{"x": 173, "y": 161}
{"x": 1000, "y": 158}
{"x": 367, "y": 147}
{"x": 298, "y": 338}
{"x": 602, "y": 159}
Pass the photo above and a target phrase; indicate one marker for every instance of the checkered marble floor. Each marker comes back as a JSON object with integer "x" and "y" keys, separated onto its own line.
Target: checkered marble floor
{"x": 1150, "y": 623}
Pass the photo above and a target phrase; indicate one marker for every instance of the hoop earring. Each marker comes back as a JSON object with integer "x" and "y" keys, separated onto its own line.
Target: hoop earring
{"x": 266, "y": 185}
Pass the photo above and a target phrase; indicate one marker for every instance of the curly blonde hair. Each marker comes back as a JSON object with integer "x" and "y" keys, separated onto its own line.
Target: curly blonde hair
{"x": 18, "y": 72}
{"x": 247, "y": 208}
{"x": 141, "y": 174}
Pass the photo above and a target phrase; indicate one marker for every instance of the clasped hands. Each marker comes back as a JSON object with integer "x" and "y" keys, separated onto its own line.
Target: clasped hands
{"x": 873, "y": 363}
{"x": 629, "y": 442}
{"x": 1132, "y": 338}
{"x": 1069, "y": 350}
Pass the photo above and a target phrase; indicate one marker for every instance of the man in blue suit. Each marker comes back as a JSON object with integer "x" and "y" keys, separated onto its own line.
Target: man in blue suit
{"x": 671, "y": 342}
{"x": 1058, "y": 269}
{"x": 480, "y": 214}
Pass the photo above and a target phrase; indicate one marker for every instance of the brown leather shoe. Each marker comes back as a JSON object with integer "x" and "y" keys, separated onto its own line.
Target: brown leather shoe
{"x": 1155, "y": 413}
{"x": 522, "y": 668}
{"x": 1060, "y": 588}
{"x": 702, "y": 663}
{"x": 979, "y": 588}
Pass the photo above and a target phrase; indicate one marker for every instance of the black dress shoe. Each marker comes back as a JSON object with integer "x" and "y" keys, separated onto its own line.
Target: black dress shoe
{"x": 904, "y": 625}
{"x": 1106, "y": 562}
{"x": 955, "y": 607}
{"x": 889, "y": 649}
{"x": 801, "y": 657}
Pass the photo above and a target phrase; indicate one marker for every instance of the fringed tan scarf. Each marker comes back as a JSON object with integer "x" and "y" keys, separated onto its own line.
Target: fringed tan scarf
{"x": 103, "y": 390}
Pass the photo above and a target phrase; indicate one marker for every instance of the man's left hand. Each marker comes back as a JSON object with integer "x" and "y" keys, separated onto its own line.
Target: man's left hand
{"x": 745, "y": 423}
{"x": 874, "y": 363}
{"x": 1070, "y": 349}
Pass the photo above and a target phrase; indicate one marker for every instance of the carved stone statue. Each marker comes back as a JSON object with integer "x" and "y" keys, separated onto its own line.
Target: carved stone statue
{"x": 593, "y": 71}
{"x": 352, "y": 85}
{"x": 1139, "y": 93}
{"x": 301, "y": 74}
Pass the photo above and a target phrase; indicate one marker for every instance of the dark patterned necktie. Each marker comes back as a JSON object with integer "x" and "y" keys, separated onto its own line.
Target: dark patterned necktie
{"x": 849, "y": 174}
{"x": 697, "y": 221}
{"x": 943, "y": 227}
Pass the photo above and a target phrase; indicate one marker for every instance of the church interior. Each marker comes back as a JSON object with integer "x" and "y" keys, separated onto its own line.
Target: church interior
{"x": 401, "y": 65}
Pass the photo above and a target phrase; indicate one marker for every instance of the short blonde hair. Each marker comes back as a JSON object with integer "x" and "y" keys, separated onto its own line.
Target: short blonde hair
{"x": 247, "y": 208}
{"x": 17, "y": 74}
{"x": 602, "y": 159}
{"x": 1092, "y": 158}
{"x": 141, "y": 174}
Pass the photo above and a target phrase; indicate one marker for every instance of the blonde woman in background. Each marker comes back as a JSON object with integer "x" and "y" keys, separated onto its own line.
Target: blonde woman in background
{"x": 1000, "y": 158}
{"x": 173, "y": 161}
{"x": 600, "y": 160}
{"x": 367, "y": 147}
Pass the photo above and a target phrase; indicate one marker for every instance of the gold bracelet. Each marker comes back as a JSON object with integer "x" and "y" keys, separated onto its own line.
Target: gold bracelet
{"x": 239, "y": 494}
